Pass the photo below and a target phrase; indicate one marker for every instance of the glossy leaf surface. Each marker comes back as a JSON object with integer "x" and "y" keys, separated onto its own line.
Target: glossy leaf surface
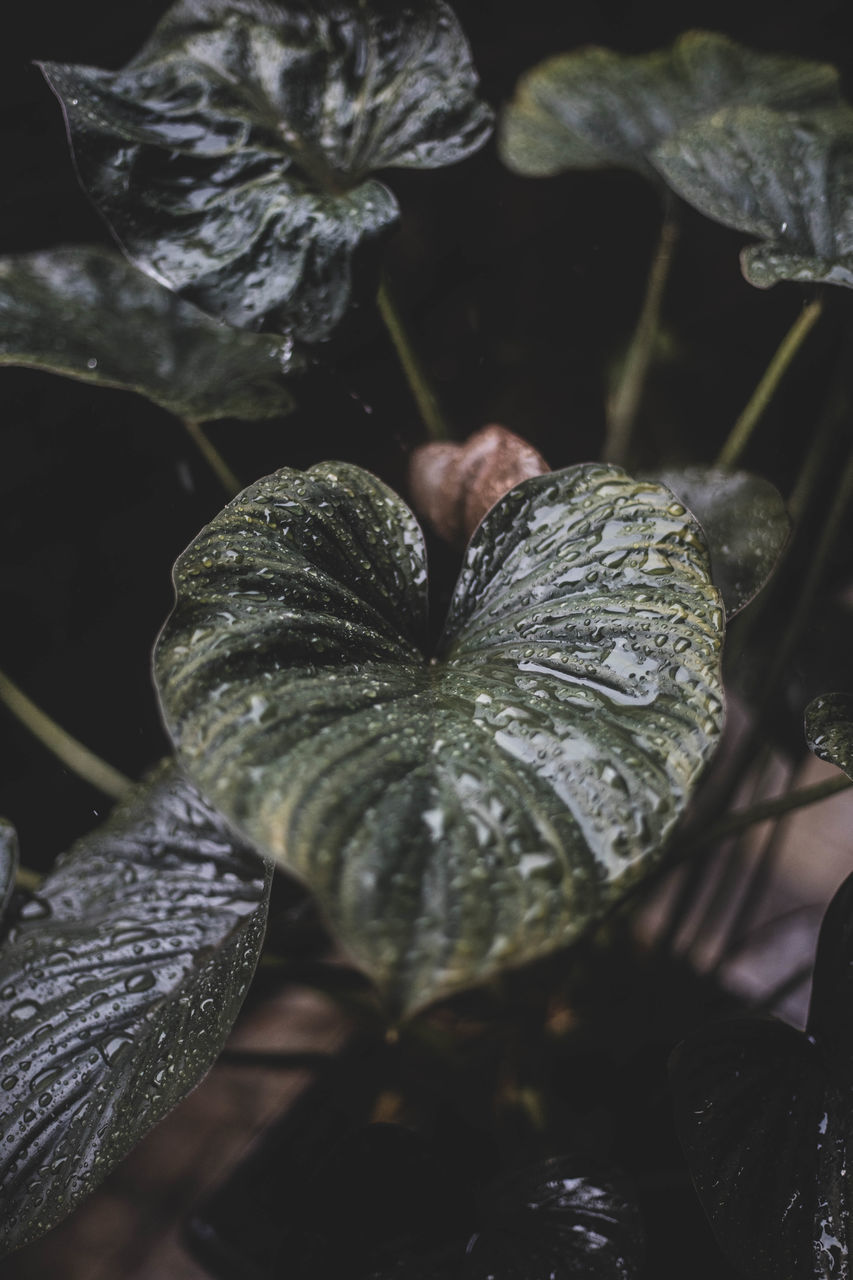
{"x": 596, "y": 108}
{"x": 829, "y": 729}
{"x": 119, "y": 982}
{"x": 89, "y": 314}
{"x": 764, "y": 1117}
{"x": 8, "y": 865}
{"x": 458, "y": 816}
{"x": 745, "y": 523}
{"x": 783, "y": 177}
{"x": 232, "y": 156}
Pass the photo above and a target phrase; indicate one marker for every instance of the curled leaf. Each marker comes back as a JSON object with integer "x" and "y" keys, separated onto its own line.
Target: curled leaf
{"x": 8, "y": 865}
{"x": 763, "y": 1113}
{"x": 829, "y": 729}
{"x": 232, "y": 155}
{"x": 745, "y": 523}
{"x": 119, "y": 982}
{"x": 784, "y": 177}
{"x": 454, "y": 485}
{"x": 596, "y": 108}
{"x": 461, "y": 815}
{"x": 88, "y": 314}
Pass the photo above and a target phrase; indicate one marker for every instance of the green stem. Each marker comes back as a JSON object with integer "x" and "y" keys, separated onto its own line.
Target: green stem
{"x": 762, "y": 395}
{"x": 623, "y": 404}
{"x": 72, "y": 753}
{"x": 419, "y": 385}
{"x": 27, "y": 879}
{"x": 226, "y": 477}
{"x": 775, "y": 808}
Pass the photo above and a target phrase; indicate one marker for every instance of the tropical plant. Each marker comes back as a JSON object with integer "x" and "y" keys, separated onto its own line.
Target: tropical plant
{"x": 469, "y": 810}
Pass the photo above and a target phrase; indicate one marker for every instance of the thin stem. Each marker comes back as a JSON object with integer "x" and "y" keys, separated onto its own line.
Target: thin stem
{"x": 213, "y": 457}
{"x": 741, "y": 432}
{"x": 775, "y": 808}
{"x": 27, "y": 879}
{"x": 623, "y": 404}
{"x": 72, "y": 753}
{"x": 419, "y": 385}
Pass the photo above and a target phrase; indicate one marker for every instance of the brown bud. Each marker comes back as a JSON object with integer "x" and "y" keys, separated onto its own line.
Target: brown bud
{"x": 452, "y": 486}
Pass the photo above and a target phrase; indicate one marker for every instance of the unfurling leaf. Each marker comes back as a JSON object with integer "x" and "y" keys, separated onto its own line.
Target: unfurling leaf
{"x": 745, "y": 523}
{"x": 455, "y": 816}
{"x": 118, "y": 985}
{"x": 454, "y": 485}
{"x": 784, "y": 177}
{"x": 763, "y": 1113}
{"x": 232, "y": 155}
{"x": 595, "y": 108}
{"x": 829, "y": 729}
{"x": 89, "y": 314}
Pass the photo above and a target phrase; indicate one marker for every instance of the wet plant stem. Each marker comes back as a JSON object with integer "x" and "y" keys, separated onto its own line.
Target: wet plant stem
{"x": 72, "y": 753}
{"x": 214, "y": 459}
{"x": 419, "y": 384}
{"x": 623, "y": 404}
{"x": 741, "y": 432}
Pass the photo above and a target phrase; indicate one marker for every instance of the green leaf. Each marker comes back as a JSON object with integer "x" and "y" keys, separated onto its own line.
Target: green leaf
{"x": 458, "y": 816}
{"x": 231, "y": 157}
{"x": 596, "y": 108}
{"x": 829, "y": 729}
{"x": 763, "y": 1113}
{"x": 88, "y": 314}
{"x": 118, "y": 984}
{"x": 8, "y": 865}
{"x": 744, "y": 521}
{"x": 784, "y": 177}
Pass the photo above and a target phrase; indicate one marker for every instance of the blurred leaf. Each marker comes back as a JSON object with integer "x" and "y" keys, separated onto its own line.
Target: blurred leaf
{"x": 763, "y": 1114}
{"x": 596, "y": 108}
{"x": 118, "y": 985}
{"x": 88, "y": 314}
{"x": 784, "y": 177}
{"x": 458, "y": 816}
{"x": 829, "y": 729}
{"x": 8, "y": 865}
{"x": 231, "y": 155}
{"x": 745, "y": 523}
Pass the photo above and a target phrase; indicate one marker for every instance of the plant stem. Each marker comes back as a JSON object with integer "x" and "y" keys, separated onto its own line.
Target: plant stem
{"x": 789, "y": 346}
{"x": 775, "y": 808}
{"x": 72, "y": 753}
{"x": 624, "y": 402}
{"x": 213, "y": 457}
{"x": 419, "y": 385}
{"x": 27, "y": 879}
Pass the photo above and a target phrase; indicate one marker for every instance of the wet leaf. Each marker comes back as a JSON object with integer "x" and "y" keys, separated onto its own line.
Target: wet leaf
{"x": 595, "y": 108}
{"x": 829, "y": 729}
{"x": 784, "y": 177}
{"x": 118, "y": 984}
{"x": 763, "y": 1113}
{"x": 744, "y": 521}
{"x": 8, "y": 864}
{"x": 89, "y": 314}
{"x": 459, "y": 816}
{"x": 454, "y": 485}
{"x": 232, "y": 155}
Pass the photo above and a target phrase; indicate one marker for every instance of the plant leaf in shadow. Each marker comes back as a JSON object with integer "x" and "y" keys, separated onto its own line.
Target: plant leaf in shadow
{"x": 829, "y": 729}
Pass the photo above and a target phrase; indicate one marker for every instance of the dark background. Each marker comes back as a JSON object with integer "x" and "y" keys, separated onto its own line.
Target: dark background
{"x": 521, "y": 293}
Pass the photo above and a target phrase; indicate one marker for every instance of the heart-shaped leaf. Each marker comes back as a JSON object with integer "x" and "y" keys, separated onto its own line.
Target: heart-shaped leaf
{"x": 829, "y": 729}
{"x": 782, "y": 176}
{"x": 231, "y": 156}
{"x": 596, "y": 108}
{"x": 764, "y": 1117}
{"x": 8, "y": 865}
{"x": 458, "y": 816}
{"x": 89, "y": 314}
{"x": 745, "y": 524}
{"x": 118, "y": 984}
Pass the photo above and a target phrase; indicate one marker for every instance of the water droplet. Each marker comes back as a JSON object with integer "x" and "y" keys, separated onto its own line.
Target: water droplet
{"x": 8, "y": 1082}
{"x": 92, "y": 363}
{"x": 140, "y": 981}
{"x": 34, "y": 909}
{"x": 24, "y": 1011}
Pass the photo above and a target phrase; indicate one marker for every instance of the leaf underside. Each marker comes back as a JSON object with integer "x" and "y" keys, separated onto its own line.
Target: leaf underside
{"x": 829, "y": 729}
{"x": 89, "y": 314}
{"x": 118, "y": 985}
{"x": 458, "y": 816}
{"x": 596, "y": 108}
{"x": 231, "y": 156}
